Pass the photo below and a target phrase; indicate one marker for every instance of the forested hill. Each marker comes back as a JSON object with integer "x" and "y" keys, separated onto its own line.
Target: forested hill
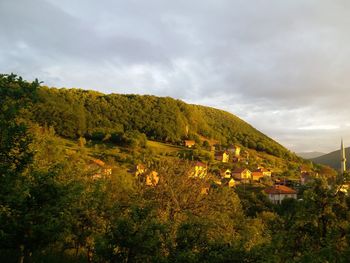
{"x": 332, "y": 159}
{"x": 76, "y": 112}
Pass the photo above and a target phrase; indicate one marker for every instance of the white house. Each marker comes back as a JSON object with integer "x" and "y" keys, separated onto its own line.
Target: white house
{"x": 277, "y": 193}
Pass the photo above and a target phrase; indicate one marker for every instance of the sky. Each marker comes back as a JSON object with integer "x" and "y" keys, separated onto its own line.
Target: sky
{"x": 282, "y": 66}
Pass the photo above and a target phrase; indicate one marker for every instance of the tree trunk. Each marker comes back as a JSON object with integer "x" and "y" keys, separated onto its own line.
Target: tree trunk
{"x": 76, "y": 250}
{"x": 89, "y": 255}
{"x": 21, "y": 254}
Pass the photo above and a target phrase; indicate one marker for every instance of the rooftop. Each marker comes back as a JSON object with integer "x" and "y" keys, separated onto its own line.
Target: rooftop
{"x": 280, "y": 189}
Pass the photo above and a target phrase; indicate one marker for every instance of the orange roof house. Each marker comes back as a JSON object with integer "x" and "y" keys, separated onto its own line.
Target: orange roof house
{"x": 98, "y": 162}
{"x": 277, "y": 193}
{"x": 260, "y": 173}
{"x": 256, "y": 175}
{"x": 189, "y": 143}
{"x": 264, "y": 171}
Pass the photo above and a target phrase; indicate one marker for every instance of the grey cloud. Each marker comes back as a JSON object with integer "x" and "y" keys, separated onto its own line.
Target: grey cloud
{"x": 280, "y": 65}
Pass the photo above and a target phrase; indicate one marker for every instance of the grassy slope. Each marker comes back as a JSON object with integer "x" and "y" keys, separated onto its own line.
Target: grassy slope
{"x": 310, "y": 155}
{"x": 161, "y": 148}
{"x": 125, "y": 158}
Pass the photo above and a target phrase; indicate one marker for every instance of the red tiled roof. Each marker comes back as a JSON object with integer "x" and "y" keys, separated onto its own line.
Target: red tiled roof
{"x": 201, "y": 164}
{"x": 280, "y": 189}
{"x": 98, "y": 162}
{"x": 257, "y": 174}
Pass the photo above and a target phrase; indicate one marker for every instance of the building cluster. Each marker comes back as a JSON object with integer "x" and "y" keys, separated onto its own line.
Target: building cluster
{"x": 226, "y": 177}
{"x": 231, "y": 177}
{"x": 232, "y": 154}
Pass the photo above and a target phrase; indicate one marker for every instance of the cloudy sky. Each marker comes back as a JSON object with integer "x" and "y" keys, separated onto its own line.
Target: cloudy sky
{"x": 282, "y": 66}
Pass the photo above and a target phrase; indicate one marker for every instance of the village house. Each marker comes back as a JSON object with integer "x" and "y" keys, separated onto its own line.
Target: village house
{"x": 189, "y": 143}
{"x": 230, "y": 182}
{"x": 223, "y": 156}
{"x": 264, "y": 171}
{"x": 152, "y": 178}
{"x": 235, "y": 150}
{"x": 344, "y": 188}
{"x": 277, "y": 193}
{"x": 257, "y": 175}
{"x": 242, "y": 174}
{"x": 98, "y": 162}
{"x": 225, "y": 173}
{"x": 200, "y": 170}
{"x": 260, "y": 173}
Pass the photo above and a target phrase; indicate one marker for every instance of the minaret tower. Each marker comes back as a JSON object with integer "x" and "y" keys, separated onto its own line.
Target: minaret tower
{"x": 342, "y": 158}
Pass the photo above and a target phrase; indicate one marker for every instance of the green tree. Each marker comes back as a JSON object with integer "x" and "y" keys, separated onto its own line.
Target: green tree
{"x": 314, "y": 229}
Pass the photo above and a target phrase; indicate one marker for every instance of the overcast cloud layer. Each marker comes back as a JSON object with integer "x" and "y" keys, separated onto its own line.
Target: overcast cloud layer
{"x": 282, "y": 66}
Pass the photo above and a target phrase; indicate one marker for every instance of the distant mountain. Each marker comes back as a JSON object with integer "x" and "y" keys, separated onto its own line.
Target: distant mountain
{"x": 332, "y": 159}
{"x": 310, "y": 155}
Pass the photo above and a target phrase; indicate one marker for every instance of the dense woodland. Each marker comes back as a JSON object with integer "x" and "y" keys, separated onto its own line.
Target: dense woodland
{"x": 51, "y": 210}
{"x": 112, "y": 117}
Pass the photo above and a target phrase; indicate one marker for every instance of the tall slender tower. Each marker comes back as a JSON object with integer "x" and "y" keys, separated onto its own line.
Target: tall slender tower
{"x": 342, "y": 157}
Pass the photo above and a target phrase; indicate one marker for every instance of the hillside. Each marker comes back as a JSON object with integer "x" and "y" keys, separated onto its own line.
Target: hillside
{"x": 74, "y": 113}
{"x": 118, "y": 196}
{"x": 310, "y": 155}
{"x": 332, "y": 159}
